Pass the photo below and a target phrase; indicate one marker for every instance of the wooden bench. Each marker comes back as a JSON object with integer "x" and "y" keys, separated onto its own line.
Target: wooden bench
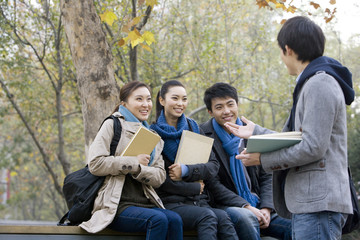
{"x": 53, "y": 232}
{"x": 36, "y": 232}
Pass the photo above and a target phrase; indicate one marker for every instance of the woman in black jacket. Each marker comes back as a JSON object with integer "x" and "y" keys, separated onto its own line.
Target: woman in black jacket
{"x": 183, "y": 190}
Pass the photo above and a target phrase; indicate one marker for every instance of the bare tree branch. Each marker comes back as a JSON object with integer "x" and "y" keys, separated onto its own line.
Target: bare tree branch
{"x": 42, "y": 151}
{"x": 180, "y": 75}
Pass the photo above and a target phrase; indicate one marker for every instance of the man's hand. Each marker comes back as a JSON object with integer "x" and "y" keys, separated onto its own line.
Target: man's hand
{"x": 143, "y": 159}
{"x": 259, "y": 215}
{"x": 249, "y": 159}
{"x": 175, "y": 172}
{"x": 241, "y": 131}
{"x": 267, "y": 214}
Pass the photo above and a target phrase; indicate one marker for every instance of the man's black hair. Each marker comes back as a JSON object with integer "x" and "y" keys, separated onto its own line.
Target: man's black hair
{"x": 304, "y": 37}
{"x": 219, "y": 90}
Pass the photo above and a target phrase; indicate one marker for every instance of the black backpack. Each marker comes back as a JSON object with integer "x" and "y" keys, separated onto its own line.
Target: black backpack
{"x": 81, "y": 187}
{"x": 353, "y": 220}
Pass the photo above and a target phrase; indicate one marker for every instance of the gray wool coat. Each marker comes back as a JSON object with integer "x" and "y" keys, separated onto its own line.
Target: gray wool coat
{"x": 312, "y": 176}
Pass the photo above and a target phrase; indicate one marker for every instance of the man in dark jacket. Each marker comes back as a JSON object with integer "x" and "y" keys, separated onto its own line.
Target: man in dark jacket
{"x": 244, "y": 193}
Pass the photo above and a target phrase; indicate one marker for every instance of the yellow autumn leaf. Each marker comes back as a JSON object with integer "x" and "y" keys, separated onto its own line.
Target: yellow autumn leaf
{"x": 280, "y": 5}
{"x": 108, "y": 17}
{"x": 262, "y": 3}
{"x": 146, "y": 47}
{"x": 291, "y": 9}
{"x": 332, "y": 2}
{"x": 148, "y": 37}
{"x": 26, "y": 168}
{"x": 133, "y": 35}
{"x": 135, "y": 21}
{"x": 125, "y": 29}
{"x": 315, "y": 5}
{"x": 121, "y": 42}
{"x": 135, "y": 42}
{"x": 13, "y": 173}
{"x": 151, "y": 3}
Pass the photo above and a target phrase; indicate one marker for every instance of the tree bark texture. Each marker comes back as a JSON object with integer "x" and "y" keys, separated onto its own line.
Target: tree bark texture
{"x": 92, "y": 59}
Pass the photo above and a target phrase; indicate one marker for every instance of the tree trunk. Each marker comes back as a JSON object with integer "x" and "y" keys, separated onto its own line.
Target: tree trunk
{"x": 92, "y": 59}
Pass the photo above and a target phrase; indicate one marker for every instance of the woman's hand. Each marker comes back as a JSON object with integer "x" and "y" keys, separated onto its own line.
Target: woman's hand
{"x": 175, "y": 172}
{"x": 249, "y": 159}
{"x": 202, "y": 186}
{"x": 241, "y": 131}
{"x": 143, "y": 159}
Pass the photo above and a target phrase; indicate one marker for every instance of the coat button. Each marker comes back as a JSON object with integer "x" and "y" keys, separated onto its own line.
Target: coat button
{"x": 123, "y": 167}
{"x": 322, "y": 164}
{"x": 297, "y": 169}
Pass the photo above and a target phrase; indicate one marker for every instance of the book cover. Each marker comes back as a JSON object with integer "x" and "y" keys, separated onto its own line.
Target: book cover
{"x": 193, "y": 148}
{"x": 143, "y": 142}
{"x": 272, "y": 142}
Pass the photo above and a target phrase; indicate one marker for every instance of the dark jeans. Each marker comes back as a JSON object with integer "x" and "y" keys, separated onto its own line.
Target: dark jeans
{"x": 159, "y": 224}
{"x": 248, "y": 228}
{"x": 210, "y": 223}
{"x": 279, "y": 228}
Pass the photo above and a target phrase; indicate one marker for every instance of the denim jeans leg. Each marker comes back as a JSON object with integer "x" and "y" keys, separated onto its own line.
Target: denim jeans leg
{"x": 226, "y": 230}
{"x": 245, "y": 222}
{"x": 324, "y": 225}
{"x": 279, "y": 228}
{"x": 175, "y": 228}
{"x": 197, "y": 218}
{"x": 138, "y": 219}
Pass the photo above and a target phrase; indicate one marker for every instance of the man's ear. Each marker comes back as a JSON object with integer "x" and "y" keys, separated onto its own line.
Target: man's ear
{"x": 289, "y": 51}
{"x": 211, "y": 113}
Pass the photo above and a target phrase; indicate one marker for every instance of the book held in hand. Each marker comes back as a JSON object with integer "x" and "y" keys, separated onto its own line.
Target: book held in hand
{"x": 272, "y": 142}
{"x": 193, "y": 148}
{"x": 143, "y": 142}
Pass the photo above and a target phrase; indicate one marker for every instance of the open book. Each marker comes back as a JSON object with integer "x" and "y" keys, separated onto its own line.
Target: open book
{"x": 143, "y": 142}
{"x": 193, "y": 148}
{"x": 272, "y": 142}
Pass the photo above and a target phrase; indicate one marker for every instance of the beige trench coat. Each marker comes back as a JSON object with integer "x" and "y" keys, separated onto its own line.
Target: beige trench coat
{"x": 115, "y": 168}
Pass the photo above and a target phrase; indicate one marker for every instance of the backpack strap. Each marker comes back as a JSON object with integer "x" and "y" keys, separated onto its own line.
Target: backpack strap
{"x": 117, "y": 133}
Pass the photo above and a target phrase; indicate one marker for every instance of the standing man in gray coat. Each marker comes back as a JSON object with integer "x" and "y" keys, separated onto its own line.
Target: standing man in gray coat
{"x": 310, "y": 179}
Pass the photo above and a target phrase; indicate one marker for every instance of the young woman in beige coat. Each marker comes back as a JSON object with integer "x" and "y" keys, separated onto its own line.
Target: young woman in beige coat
{"x": 127, "y": 201}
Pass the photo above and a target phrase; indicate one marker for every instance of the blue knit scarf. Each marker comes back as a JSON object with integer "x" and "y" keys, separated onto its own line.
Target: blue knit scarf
{"x": 172, "y": 135}
{"x": 131, "y": 118}
{"x": 230, "y": 143}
